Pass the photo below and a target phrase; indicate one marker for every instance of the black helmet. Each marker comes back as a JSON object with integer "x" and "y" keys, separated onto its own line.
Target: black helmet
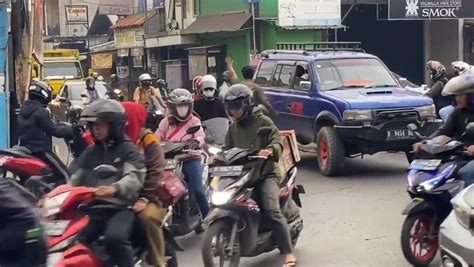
{"x": 459, "y": 85}
{"x": 41, "y": 92}
{"x": 226, "y": 76}
{"x": 110, "y": 111}
{"x": 90, "y": 83}
{"x": 180, "y": 97}
{"x": 436, "y": 69}
{"x": 161, "y": 83}
{"x": 239, "y": 96}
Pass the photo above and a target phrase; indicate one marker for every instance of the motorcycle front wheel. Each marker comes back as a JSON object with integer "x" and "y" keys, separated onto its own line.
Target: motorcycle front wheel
{"x": 419, "y": 246}
{"x": 216, "y": 245}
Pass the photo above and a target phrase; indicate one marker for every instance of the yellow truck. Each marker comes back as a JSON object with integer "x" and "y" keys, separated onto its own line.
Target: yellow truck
{"x": 61, "y": 65}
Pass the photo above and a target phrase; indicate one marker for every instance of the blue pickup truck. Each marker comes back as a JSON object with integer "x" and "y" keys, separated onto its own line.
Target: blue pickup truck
{"x": 343, "y": 99}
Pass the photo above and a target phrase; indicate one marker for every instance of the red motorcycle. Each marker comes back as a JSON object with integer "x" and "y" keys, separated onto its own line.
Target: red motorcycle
{"x": 66, "y": 211}
{"x": 19, "y": 164}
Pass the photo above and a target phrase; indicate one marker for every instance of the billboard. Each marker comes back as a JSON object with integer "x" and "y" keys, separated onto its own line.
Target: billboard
{"x": 309, "y": 13}
{"x": 114, "y": 7}
{"x": 430, "y": 9}
{"x": 76, "y": 14}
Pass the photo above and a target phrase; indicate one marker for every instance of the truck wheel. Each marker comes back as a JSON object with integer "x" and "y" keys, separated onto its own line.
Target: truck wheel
{"x": 331, "y": 154}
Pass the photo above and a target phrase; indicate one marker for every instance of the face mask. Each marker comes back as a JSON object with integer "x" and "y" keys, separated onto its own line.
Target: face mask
{"x": 209, "y": 93}
{"x": 182, "y": 111}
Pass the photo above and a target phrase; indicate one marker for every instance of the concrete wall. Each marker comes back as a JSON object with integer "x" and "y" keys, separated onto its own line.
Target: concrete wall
{"x": 443, "y": 41}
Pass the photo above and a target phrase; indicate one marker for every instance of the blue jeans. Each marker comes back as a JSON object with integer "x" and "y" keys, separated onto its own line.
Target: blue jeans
{"x": 192, "y": 170}
{"x": 445, "y": 112}
{"x": 466, "y": 173}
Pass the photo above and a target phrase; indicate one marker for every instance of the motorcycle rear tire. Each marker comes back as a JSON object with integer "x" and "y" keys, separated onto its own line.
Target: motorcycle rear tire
{"x": 215, "y": 229}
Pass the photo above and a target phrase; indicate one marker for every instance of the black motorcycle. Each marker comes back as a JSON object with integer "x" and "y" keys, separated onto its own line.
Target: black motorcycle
{"x": 236, "y": 227}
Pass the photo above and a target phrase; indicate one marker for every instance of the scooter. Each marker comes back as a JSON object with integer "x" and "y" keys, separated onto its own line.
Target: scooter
{"x": 63, "y": 222}
{"x": 457, "y": 231}
{"x": 431, "y": 185}
{"x": 236, "y": 228}
{"x": 18, "y": 163}
{"x": 186, "y": 216}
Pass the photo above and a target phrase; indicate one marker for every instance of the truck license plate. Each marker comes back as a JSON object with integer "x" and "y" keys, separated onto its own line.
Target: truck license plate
{"x": 402, "y": 134}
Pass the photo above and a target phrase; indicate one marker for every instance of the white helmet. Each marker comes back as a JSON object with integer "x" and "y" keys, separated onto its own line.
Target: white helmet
{"x": 208, "y": 86}
{"x": 461, "y": 67}
{"x": 145, "y": 79}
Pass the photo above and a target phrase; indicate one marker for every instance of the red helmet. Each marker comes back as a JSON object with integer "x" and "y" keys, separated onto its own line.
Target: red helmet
{"x": 197, "y": 82}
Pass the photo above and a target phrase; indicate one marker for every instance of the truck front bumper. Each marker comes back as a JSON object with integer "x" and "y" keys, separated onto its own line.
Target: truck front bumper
{"x": 388, "y": 136}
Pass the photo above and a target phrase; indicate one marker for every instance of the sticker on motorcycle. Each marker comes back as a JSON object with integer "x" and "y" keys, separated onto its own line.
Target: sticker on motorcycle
{"x": 56, "y": 228}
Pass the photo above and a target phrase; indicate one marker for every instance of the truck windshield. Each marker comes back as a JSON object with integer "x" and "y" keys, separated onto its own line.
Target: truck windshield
{"x": 77, "y": 90}
{"x": 59, "y": 70}
{"x": 348, "y": 73}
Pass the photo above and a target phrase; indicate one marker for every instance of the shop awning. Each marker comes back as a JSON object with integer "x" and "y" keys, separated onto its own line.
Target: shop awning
{"x": 134, "y": 20}
{"x": 218, "y": 23}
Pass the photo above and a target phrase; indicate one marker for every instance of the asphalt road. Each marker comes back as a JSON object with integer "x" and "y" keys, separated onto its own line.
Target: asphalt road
{"x": 352, "y": 220}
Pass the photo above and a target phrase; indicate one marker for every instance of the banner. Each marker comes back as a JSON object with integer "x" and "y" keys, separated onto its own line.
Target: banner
{"x": 309, "y": 13}
{"x": 102, "y": 60}
{"x": 76, "y": 14}
{"x": 430, "y": 9}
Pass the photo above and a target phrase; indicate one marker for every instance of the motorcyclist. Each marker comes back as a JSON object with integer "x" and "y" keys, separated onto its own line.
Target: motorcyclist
{"x": 460, "y": 68}
{"x": 462, "y": 87}
{"x": 173, "y": 129}
{"x": 21, "y": 238}
{"x": 148, "y": 206}
{"x": 36, "y": 129}
{"x": 106, "y": 120}
{"x": 438, "y": 76}
{"x": 163, "y": 87}
{"x": 209, "y": 107}
{"x": 92, "y": 93}
{"x": 243, "y": 134}
{"x": 147, "y": 95}
{"x": 248, "y": 72}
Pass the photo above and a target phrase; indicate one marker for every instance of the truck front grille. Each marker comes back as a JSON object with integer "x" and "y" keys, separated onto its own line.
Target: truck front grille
{"x": 382, "y": 116}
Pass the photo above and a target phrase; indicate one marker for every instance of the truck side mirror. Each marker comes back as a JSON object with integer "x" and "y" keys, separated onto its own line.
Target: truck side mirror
{"x": 305, "y": 85}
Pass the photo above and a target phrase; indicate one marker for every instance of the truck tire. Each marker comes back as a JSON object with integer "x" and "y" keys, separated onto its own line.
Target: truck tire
{"x": 331, "y": 154}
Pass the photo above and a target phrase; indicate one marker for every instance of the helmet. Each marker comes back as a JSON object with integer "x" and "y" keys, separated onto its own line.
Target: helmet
{"x": 436, "y": 69}
{"x": 180, "y": 103}
{"x": 113, "y": 77}
{"x": 40, "y": 91}
{"x": 107, "y": 110}
{"x": 208, "y": 82}
{"x": 161, "y": 83}
{"x": 460, "y": 67}
{"x": 239, "y": 96}
{"x": 145, "y": 79}
{"x": 95, "y": 75}
{"x": 226, "y": 76}
{"x": 459, "y": 85}
{"x": 90, "y": 83}
{"x": 197, "y": 82}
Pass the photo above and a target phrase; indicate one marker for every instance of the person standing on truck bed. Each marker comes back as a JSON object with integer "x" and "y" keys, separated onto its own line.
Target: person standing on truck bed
{"x": 438, "y": 76}
{"x": 248, "y": 72}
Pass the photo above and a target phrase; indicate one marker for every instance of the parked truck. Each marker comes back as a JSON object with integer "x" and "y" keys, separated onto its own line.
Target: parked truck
{"x": 61, "y": 65}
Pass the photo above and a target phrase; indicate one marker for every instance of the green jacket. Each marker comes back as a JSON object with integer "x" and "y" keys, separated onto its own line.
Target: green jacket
{"x": 244, "y": 135}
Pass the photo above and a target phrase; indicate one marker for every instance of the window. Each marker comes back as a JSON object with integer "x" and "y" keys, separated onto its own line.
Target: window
{"x": 283, "y": 76}
{"x": 301, "y": 75}
{"x": 195, "y": 7}
{"x": 343, "y": 74}
{"x": 265, "y": 73}
{"x": 59, "y": 70}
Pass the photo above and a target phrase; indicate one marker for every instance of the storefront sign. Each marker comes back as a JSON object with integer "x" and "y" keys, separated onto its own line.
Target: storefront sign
{"x": 430, "y": 9}
{"x": 129, "y": 38}
{"x": 137, "y": 57}
{"x": 123, "y": 71}
{"x": 76, "y": 14}
{"x": 114, "y": 7}
{"x": 102, "y": 60}
{"x": 309, "y": 13}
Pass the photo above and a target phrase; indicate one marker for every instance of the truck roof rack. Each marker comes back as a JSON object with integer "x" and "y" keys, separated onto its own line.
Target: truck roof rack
{"x": 322, "y": 46}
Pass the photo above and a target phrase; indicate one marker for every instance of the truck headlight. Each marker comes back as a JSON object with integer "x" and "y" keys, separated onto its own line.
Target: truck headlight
{"x": 426, "y": 112}
{"x": 463, "y": 206}
{"x": 357, "y": 115}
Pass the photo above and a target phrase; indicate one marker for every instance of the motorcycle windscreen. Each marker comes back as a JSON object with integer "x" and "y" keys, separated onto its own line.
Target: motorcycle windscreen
{"x": 216, "y": 130}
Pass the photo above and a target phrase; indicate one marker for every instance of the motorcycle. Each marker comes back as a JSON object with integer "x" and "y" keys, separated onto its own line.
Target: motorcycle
{"x": 18, "y": 162}
{"x": 457, "y": 231}
{"x": 236, "y": 228}
{"x": 63, "y": 222}
{"x": 216, "y": 130}
{"x": 431, "y": 185}
{"x": 186, "y": 216}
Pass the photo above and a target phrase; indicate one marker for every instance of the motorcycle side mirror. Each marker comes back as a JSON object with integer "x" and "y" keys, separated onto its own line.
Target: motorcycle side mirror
{"x": 470, "y": 129}
{"x": 264, "y": 131}
{"x": 412, "y": 127}
{"x": 105, "y": 171}
{"x": 193, "y": 130}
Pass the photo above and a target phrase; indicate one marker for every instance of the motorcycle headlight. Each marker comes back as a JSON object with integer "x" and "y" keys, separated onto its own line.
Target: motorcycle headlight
{"x": 52, "y": 206}
{"x": 213, "y": 150}
{"x": 426, "y": 112}
{"x": 117, "y": 91}
{"x": 357, "y": 115}
{"x": 463, "y": 206}
{"x": 221, "y": 198}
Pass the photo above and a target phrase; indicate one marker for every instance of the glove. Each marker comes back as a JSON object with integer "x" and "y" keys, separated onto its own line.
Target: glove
{"x": 192, "y": 144}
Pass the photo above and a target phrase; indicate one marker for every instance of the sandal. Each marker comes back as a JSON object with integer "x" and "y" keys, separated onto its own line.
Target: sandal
{"x": 290, "y": 264}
